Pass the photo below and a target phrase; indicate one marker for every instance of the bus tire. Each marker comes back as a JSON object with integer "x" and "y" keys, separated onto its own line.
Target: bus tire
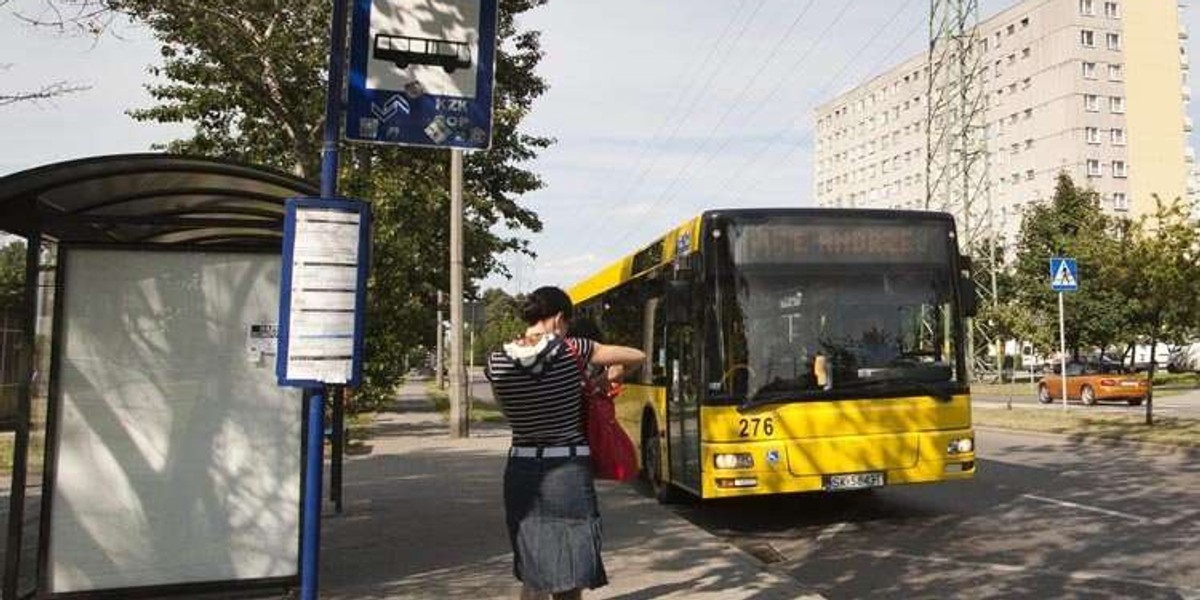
{"x": 652, "y": 464}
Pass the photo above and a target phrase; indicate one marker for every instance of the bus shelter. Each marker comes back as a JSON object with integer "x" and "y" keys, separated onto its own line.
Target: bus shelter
{"x": 154, "y": 452}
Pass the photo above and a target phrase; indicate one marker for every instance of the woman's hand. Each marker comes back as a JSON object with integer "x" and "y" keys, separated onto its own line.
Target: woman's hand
{"x": 615, "y": 373}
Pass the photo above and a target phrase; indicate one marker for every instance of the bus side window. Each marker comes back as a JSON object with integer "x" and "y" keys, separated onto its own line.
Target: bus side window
{"x": 651, "y": 342}
{"x": 657, "y": 319}
{"x": 624, "y": 321}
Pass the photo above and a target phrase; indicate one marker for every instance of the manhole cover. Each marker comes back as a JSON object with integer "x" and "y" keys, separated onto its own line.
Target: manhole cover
{"x": 764, "y": 552}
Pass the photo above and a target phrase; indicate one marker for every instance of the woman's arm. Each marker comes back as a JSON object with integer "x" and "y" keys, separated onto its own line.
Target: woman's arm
{"x": 605, "y": 355}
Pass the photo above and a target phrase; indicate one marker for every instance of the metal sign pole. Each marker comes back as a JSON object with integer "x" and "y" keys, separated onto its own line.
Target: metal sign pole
{"x": 459, "y": 405}
{"x": 1062, "y": 343}
{"x": 310, "y": 551}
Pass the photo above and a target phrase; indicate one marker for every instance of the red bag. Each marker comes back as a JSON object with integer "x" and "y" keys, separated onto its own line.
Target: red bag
{"x": 613, "y": 454}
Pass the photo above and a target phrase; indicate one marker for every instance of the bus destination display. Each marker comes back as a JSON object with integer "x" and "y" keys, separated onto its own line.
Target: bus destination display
{"x": 825, "y": 243}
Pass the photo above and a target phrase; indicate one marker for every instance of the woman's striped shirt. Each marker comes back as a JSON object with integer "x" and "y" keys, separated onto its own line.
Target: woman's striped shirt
{"x": 543, "y": 403}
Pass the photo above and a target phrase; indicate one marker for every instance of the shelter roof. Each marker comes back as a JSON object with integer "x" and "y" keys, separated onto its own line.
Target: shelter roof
{"x": 150, "y": 199}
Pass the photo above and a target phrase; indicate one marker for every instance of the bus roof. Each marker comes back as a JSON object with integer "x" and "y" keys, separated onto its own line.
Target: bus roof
{"x": 686, "y": 236}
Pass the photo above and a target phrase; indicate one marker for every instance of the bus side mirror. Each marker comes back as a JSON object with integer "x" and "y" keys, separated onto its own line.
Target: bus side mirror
{"x": 679, "y": 301}
{"x": 966, "y": 288}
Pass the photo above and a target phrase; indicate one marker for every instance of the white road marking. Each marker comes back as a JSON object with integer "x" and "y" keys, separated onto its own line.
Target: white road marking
{"x": 832, "y": 530}
{"x": 1042, "y": 570}
{"x": 1095, "y": 509}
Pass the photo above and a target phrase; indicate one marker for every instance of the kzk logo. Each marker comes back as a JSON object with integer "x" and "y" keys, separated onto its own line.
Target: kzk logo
{"x": 389, "y": 109}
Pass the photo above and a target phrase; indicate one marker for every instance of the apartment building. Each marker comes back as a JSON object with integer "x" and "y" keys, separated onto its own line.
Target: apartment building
{"x": 1095, "y": 88}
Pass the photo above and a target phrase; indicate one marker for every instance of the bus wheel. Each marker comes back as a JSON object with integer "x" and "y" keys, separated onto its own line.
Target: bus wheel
{"x": 652, "y": 466}
{"x": 1044, "y": 394}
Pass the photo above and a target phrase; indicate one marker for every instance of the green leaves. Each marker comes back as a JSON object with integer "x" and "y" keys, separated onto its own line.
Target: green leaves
{"x": 1138, "y": 280}
{"x": 250, "y": 76}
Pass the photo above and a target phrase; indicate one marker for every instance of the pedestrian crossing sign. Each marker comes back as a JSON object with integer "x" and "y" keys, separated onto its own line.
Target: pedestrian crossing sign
{"x": 1064, "y": 275}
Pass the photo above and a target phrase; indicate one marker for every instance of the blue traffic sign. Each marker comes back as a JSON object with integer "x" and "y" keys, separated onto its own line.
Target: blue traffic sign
{"x": 1064, "y": 275}
{"x": 422, "y": 72}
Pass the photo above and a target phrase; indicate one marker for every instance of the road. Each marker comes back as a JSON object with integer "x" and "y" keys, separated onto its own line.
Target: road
{"x": 1045, "y": 518}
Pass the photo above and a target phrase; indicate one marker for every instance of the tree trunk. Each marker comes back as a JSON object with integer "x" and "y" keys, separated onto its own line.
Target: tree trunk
{"x": 1150, "y": 377}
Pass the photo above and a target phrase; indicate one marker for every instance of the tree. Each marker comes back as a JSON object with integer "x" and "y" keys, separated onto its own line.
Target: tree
{"x": 1072, "y": 225}
{"x": 12, "y": 275}
{"x": 1162, "y": 278}
{"x": 250, "y": 76}
{"x": 503, "y": 322}
{"x": 50, "y": 16}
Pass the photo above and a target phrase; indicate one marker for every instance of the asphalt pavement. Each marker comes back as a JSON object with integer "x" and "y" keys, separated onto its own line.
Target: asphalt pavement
{"x": 1177, "y": 403}
{"x": 1045, "y": 518}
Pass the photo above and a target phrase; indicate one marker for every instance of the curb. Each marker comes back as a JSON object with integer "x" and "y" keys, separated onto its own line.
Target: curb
{"x": 1189, "y": 451}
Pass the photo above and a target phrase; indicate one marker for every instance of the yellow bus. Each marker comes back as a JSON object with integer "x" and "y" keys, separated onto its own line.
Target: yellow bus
{"x": 793, "y": 350}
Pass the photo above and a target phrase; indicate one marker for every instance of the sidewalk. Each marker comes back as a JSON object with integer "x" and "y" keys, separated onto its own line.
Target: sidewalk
{"x": 424, "y": 518}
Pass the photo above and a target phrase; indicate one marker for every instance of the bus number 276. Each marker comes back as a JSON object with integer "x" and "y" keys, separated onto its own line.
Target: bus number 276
{"x": 751, "y": 427}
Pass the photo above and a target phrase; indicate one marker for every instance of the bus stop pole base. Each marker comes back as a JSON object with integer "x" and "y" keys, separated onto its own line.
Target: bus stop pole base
{"x": 310, "y": 550}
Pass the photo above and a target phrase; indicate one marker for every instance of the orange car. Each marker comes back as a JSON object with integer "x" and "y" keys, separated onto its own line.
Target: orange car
{"x": 1091, "y": 382}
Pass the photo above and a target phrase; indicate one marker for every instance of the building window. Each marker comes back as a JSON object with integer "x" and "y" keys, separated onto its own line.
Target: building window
{"x": 1114, "y": 41}
{"x": 1029, "y": 144}
{"x": 1011, "y": 29}
{"x": 1120, "y": 201}
{"x": 1091, "y": 102}
{"x": 1029, "y": 175}
{"x": 1116, "y": 73}
{"x": 1112, "y": 10}
{"x": 1093, "y": 167}
{"x": 1117, "y": 137}
{"x": 1119, "y": 169}
{"x": 1092, "y": 134}
{"x": 1028, "y": 114}
{"x": 1024, "y": 22}
{"x": 1089, "y": 70}
{"x": 1026, "y": 83}
{"x": 1087, "y": 37}
{"x": 1026, "y": 52}
{"x": 1087, "y": 7}
{"x": 1116, "y": 104}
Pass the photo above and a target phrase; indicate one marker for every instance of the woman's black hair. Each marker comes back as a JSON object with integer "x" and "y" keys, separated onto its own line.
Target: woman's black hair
{"x": 545, "y": 302}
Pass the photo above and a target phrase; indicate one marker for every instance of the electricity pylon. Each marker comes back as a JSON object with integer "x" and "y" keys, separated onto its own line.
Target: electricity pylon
{"x": 956, "y": 176}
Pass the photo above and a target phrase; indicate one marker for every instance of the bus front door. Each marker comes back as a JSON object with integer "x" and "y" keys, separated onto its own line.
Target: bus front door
{"x": 683, "y": 412}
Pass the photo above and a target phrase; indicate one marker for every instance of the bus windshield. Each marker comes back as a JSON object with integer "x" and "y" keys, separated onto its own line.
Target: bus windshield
{"x": 799, "y": 320}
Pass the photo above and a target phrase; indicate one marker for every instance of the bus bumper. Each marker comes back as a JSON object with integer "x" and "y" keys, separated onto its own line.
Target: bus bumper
{"x": 790, "y": 466}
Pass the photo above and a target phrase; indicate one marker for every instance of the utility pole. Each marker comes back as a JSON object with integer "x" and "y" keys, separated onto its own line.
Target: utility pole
{"x": 460, "y": 408}
{"x": 441, "y": 338}
{"x": 956, "y": 176}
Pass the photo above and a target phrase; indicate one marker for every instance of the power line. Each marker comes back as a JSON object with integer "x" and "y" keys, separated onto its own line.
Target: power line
{"x": 854, "y": 58}
{"x": 888, "y": 56}
{"x": 699, "y": 93}
{"x": 772, "y": 53}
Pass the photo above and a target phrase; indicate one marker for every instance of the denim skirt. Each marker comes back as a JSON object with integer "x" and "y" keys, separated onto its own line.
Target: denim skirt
{"x": 553, "y": 523}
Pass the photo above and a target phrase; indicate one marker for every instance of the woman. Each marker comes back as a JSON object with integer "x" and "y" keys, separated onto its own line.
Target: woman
{"x": 549, "y": 497}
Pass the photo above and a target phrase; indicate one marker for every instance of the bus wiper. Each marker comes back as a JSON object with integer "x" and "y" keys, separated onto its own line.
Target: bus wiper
{"x": 764, "y": 398}
{"x": 899, "y": 383}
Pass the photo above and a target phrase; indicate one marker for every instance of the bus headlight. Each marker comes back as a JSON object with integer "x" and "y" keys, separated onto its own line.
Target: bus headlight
{"x": 960, "y": 446}
{"x": 741, "y": 460}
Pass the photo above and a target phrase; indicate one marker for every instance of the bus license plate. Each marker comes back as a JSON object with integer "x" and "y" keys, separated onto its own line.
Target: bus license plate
{"x": 853, "y": 481}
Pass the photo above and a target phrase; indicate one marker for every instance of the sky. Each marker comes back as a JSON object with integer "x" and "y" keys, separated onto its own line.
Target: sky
{"x": 660, "y": 109}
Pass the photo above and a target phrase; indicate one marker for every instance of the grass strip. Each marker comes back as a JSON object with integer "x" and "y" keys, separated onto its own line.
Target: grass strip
{"x": 481, "y": 412}
{"x": 1083, "y": 426}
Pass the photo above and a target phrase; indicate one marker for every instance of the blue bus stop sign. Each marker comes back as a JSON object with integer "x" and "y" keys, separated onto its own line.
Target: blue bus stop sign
{"x": 422, "y": 72}
{"x": 1064, "y": 275}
